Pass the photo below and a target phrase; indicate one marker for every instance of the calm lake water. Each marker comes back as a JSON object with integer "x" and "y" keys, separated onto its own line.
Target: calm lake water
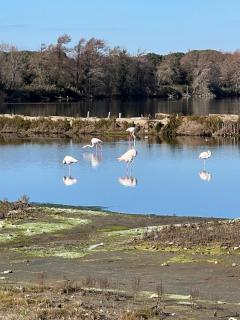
{"x": 128, "y": 108}
{"x": 164, "y": 178}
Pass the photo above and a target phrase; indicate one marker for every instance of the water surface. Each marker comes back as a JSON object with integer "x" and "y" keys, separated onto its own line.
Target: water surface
{"x": 128, "y": 108}
{"x": 165, "y": 178}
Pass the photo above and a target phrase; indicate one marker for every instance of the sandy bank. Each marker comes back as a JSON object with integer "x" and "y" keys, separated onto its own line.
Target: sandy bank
{"x": 162, "y": 125}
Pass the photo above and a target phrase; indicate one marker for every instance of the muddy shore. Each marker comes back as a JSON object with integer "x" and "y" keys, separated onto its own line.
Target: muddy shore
{"x": 109, "y": 266}
{"x": 162, "y": 125}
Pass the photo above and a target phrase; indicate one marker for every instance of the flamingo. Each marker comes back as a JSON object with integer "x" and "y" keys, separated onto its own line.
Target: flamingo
{"x": 69, "y": 160}
{"x": 95, "y": 142}
{"x": 205, "y": 155}
{"x": 128, "y": 156}
{"x": 205, "y": 176}
{"x": 68, "y": 181}
{"x": 131, "y": 131}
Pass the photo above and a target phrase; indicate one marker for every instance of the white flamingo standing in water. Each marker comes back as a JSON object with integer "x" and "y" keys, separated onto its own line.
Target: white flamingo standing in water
{"x": 69, "y": 160}
{"x": 204, "y": 156}
{"x": 128, "y": 156}
{"x": 131, "y": 131}
{"x": 95, "y": 142}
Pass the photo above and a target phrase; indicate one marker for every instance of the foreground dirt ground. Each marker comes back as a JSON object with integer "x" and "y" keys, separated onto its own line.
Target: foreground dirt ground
{"x": 69, "y": 263}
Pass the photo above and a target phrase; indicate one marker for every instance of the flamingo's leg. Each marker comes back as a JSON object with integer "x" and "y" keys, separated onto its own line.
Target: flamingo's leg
{"x": 134, "y": 141}
{"x": 127, "y": 168}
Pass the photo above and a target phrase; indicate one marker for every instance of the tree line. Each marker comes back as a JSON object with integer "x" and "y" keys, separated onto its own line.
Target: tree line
{"x": 92, "y": 69}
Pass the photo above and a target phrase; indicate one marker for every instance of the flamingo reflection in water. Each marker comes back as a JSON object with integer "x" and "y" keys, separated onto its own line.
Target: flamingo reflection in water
{"x": 205, "y": 176}
{"x": 94, "y": 158}
{"x": 128, "y": 181}
{"x": 69, "y": 181}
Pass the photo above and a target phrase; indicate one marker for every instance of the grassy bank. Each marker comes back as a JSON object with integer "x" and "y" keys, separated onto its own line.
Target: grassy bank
{"x": 163, "y": 125}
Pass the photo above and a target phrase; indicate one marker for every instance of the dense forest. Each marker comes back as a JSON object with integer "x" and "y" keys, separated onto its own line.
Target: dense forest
{"x": 92, "y": 69}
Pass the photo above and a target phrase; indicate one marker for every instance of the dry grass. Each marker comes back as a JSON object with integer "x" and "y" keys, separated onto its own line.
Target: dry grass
{"x": 220, "y": 233}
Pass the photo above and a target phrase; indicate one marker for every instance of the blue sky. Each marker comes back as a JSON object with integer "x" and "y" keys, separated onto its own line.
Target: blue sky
{"x": 159, "y": 26}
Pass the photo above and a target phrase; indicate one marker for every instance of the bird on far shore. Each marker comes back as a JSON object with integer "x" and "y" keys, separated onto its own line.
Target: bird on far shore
{"x": 95, "y": 142}
{"x": 131, "y": 131}
{"x": 68, "y": 160}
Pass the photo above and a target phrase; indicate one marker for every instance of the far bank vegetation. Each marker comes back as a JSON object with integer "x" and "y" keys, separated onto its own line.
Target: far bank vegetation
{"x": 89, "y": 68}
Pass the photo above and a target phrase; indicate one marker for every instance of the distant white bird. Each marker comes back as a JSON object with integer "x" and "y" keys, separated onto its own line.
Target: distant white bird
{"x": 128, "y": 181}
{"x": 68, "y": 181}
{"x": 205, "y": 155}
{"x": 131, "y": 131}
{"x": 205, "y": 176}
{"x": 95, "y": 142}
{"x": 128, "y": 156}
{"x": 69, "y": 160}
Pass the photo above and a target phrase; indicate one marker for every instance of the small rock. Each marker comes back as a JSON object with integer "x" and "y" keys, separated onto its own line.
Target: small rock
{"x": 6, "y": 271}
{"x": 216, "y": 262}
{"x": 94, "y": 246}
{"x": 234, "y": 264}
{"x": 165, "y": 264}
{"x": 235, "y": 248}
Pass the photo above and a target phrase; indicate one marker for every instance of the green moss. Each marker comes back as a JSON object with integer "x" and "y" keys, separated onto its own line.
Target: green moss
{"x": 60, "y": 252}
{"x": 113, "y": 228}
{"x": 25, "y": 229}
{"x": 181, "y": 259}
{"x": 74, "y": 211}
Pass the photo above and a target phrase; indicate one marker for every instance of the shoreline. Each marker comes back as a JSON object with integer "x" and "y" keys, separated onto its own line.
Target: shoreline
{"x": 130, "y": 214}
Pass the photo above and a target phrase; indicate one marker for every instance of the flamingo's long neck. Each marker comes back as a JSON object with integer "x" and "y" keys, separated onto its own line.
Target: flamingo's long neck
{"x": 89, "y": 145}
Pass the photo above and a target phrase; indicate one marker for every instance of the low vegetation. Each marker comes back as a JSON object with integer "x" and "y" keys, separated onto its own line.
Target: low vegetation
{"x": 166, "y": 126}
{"x": 225, "y": 234}
{"x": 69, "y": 263}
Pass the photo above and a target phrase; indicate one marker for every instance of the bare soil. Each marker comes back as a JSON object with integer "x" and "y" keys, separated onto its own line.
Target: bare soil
{"x": 69, "y": 263}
